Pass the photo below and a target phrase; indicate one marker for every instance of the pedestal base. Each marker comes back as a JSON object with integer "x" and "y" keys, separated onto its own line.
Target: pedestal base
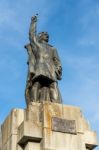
{"x": 47, "y": 126}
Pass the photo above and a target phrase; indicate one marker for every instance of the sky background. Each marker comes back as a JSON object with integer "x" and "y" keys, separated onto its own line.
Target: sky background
{"x": 73, "y": 26}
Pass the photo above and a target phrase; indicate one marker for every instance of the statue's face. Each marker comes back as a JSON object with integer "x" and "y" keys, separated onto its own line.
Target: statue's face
{"x": 44, "y": 37}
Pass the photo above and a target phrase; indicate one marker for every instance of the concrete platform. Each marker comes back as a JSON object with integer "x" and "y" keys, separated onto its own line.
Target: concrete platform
{"x": 47, "y": 126}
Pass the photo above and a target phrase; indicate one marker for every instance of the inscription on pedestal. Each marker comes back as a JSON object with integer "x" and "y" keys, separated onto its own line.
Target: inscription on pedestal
{"x": 63, "y": 125}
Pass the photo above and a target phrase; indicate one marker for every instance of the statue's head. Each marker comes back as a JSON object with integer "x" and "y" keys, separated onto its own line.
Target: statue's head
{"x": 43, "y": 36}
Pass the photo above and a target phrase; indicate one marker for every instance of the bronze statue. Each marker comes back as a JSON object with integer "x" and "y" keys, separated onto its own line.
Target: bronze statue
{"x": 44, "y": 68}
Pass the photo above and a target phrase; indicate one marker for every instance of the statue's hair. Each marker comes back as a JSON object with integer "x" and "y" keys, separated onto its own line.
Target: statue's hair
{"x": 43, "y": 33}
{"x": 40, "y": 35}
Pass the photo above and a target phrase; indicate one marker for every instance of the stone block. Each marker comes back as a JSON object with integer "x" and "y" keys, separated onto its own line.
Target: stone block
{"x": 29, "y": 131}
{"x": 19, "y": 147}
{"x": 61, "y": 141}
{"x": 32, "y": 146}
{"x": 10, "y": 144}
{"x": 66, "y": 112}
{"x": 47, "y": 126}
{"x": 10, "y": 127}
{"x": 11, "y": 124}
{"x": 90, "y": 139}
{"x": 32, "y": 112}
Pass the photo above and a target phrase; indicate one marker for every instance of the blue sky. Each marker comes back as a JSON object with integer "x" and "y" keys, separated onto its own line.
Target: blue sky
{"x": 73, "y": 26}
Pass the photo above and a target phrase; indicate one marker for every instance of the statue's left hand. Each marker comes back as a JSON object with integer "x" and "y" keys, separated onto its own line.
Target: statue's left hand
{"x": 59, "y": 72}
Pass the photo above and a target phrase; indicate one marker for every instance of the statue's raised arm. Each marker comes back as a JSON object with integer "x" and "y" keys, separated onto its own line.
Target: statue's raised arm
{"x": 32, "y": 30}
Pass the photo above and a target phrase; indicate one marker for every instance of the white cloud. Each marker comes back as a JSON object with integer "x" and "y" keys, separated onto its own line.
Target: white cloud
{"x": 89, "y": 23}
{"x": 15, "y": 16}
{"x": 86, "y": 41}
{"x": 10, "y": 15}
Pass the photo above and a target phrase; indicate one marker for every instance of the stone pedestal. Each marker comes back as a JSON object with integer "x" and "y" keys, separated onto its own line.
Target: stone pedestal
{"x": 47, "y": 126}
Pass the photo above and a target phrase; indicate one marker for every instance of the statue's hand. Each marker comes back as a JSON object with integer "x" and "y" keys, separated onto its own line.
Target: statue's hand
{"x": 34, "y": 18}
{"x": 58, "y": 72}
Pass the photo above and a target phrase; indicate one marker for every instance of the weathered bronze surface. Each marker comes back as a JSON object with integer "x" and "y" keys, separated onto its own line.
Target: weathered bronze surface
{"x": 44, "y": 68}
{"x": 62, "y": 125}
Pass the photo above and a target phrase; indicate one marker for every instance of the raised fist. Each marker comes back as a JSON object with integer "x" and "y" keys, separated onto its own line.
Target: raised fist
{"x": 34, "y": 18}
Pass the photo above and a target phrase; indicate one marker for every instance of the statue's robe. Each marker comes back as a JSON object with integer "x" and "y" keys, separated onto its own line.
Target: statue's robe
{"x": 44, "y": 62}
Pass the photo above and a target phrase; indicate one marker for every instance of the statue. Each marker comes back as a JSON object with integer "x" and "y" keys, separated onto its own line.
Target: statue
{"x": 44, "y": 68}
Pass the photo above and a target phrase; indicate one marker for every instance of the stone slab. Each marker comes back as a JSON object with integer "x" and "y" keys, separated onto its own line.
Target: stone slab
{"x": 61, "y": 141}
{"x": 28, "y": 131}
{"x": 63, "y": 125}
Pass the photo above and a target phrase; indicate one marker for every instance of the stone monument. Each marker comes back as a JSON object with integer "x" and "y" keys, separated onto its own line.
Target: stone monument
{"x": 44, "y": 68}
{"x": 45, "y": 124}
